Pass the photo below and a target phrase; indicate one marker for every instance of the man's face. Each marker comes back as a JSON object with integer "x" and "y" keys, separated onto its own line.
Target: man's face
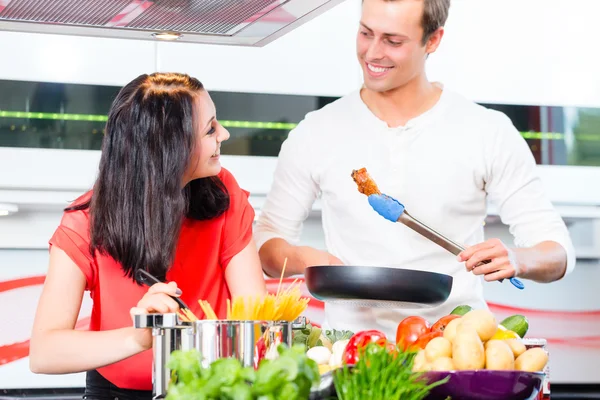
{"x": 389, "y": 43}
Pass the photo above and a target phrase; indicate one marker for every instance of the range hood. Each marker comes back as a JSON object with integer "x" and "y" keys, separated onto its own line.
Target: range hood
{"x": 227, "y": 22}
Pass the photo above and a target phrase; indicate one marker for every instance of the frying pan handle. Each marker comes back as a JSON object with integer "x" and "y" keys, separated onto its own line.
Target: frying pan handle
{"x": 439, "y": 239}
{"x": 148, "y": 279}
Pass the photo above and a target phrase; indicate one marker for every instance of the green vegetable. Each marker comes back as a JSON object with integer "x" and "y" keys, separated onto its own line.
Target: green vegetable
{"x": 461, "y": 310}
{"x": 382, "y": 375}
{"x": 335, "y": 336}
{"x": 516, "y": 323}
{"x": 313, "y": 336}
{"x": 309, "y": 336}
{"x": 239, "y": 391}
{"x": 288, "y": 377}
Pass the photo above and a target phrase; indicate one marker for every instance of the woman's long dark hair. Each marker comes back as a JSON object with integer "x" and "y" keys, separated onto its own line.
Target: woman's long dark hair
{"x": 138, "y": 205}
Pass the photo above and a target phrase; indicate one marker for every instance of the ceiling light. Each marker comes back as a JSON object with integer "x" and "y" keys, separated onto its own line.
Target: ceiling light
{"x": 7, "y": 209}
{"x": 167, "y": 35}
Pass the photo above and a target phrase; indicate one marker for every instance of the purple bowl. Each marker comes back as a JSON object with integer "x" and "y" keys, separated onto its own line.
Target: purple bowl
{"x": 485, "y": 385}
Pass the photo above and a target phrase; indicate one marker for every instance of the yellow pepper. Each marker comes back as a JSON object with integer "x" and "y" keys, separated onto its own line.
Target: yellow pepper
{"x": 324, "y": 368}
{"x": 503, "y": 334}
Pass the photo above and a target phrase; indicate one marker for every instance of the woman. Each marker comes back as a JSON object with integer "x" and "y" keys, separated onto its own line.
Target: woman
{"x": 162, "y": 203}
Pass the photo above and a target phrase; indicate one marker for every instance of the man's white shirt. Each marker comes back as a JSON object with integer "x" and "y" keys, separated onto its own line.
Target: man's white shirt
{"x": 444, "y": 166}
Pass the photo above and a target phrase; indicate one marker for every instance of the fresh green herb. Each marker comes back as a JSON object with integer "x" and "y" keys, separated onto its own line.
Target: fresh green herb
{"x": 288, "y": 377}
{"x": 382, "y": 375}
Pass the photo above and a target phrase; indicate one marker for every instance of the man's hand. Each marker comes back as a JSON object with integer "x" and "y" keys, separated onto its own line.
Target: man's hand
{"x": 310, "y": 256}
{"x": 275, "y": 251}
{"x": 503, "y": 265}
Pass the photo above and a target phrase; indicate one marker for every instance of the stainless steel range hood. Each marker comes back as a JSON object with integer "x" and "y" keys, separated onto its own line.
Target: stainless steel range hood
{"x": 230, "y": 22}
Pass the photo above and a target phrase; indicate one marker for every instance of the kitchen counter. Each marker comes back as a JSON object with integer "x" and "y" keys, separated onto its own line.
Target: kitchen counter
{"x": 41, "y": 394}
{"x": 559, "y": 392}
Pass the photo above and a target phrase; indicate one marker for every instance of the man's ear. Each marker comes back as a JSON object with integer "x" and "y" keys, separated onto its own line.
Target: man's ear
{"x": 434, "y": 40}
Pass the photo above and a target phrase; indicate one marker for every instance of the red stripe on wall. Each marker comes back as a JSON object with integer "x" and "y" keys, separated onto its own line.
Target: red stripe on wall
{"x": 14, "y": 352}
{"x": 21, "y": 283}
{"x": 534, "y": 312}
{"x": 19, "y": 350}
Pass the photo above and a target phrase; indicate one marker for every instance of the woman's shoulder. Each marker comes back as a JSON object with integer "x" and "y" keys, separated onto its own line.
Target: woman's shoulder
{"x": 231, "y": 183}
{"x": 227, "y": 177}
{"x": 239, "y": 203}
{"x": 76, "y": 215}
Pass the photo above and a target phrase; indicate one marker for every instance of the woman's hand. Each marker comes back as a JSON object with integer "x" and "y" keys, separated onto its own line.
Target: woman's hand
{"x": 156, "y": 300}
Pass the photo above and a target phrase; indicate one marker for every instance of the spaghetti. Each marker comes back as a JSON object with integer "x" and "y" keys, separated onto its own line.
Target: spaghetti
{"x": 286, "y": 305}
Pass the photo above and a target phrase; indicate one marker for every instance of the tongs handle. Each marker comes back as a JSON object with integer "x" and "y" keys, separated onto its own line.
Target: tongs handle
{"x": 439, "y": 239}
{"x": 148, "y": 279}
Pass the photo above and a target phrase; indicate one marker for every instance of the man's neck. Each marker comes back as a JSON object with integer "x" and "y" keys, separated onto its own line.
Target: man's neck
{"x": 397, "y": 107}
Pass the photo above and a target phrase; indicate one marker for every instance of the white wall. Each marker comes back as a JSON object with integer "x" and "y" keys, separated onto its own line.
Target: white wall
{"x": 522, "y": 52}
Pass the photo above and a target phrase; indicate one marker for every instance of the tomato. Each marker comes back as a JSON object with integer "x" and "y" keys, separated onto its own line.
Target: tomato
{"x": 441, "y": 324}
{"x": 410, "y": 329}
{"x": 360, "y": 340}
{"x": 391, "y": 347}
{"x": 422, "y": 341}
{"x": 260, "y": 350}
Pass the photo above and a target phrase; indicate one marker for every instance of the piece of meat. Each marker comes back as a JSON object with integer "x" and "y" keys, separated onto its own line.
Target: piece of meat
{"x": 366, "y": 184}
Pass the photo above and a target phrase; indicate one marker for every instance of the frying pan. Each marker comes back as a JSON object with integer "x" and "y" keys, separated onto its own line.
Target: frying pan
{"x": 380, "y": 287}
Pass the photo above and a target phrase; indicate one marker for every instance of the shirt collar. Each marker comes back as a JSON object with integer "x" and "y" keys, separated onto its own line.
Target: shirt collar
{"x": 417, "y": 122}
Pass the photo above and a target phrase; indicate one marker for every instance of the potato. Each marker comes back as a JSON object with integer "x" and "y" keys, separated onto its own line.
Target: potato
{"x": 494, "y": 342}
{"x": 442, "y": 364}
{"x": 499, "y": 356}
{"x": 532, "y": 360}
{"x": 467, "y": 350}
{"x": 516, "y": 345}
{"x": 420, "y": 363}
{"x": 450, "y": 331}
{"x": 438, "y": 347}
{"x": 483, "y": 321}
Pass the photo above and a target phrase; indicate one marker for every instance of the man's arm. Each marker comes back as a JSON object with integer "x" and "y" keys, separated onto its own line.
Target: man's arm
{"x": 290, "y": 200}
{"x": 275, "y": 252}
{"x": 544, "y": 262}
{"x": 544, "y": 250}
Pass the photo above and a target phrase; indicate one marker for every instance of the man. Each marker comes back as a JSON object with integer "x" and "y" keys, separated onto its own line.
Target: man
{"x": 439, "y": 154}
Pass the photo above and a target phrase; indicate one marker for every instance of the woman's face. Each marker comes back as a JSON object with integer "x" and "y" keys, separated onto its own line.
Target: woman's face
{"x": 204, "y": 160}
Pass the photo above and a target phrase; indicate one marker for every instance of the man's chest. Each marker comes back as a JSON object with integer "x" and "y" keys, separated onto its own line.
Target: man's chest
{"x": 432, "y": 178}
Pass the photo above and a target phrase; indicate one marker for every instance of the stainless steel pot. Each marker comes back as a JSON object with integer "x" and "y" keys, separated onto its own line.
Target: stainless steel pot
{"x": 213, "y": 338}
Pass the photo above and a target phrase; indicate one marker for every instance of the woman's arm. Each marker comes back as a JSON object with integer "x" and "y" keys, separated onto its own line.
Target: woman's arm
{"x": 244, "y": 273}
{"x": 57, "y": 348}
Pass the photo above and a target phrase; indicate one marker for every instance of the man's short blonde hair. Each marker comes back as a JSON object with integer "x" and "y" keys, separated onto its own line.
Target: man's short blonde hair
{"x": 435, "y": 14}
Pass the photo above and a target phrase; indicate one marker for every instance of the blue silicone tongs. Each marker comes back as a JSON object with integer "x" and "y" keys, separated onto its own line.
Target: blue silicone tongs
{"x": 394, "y": 211}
